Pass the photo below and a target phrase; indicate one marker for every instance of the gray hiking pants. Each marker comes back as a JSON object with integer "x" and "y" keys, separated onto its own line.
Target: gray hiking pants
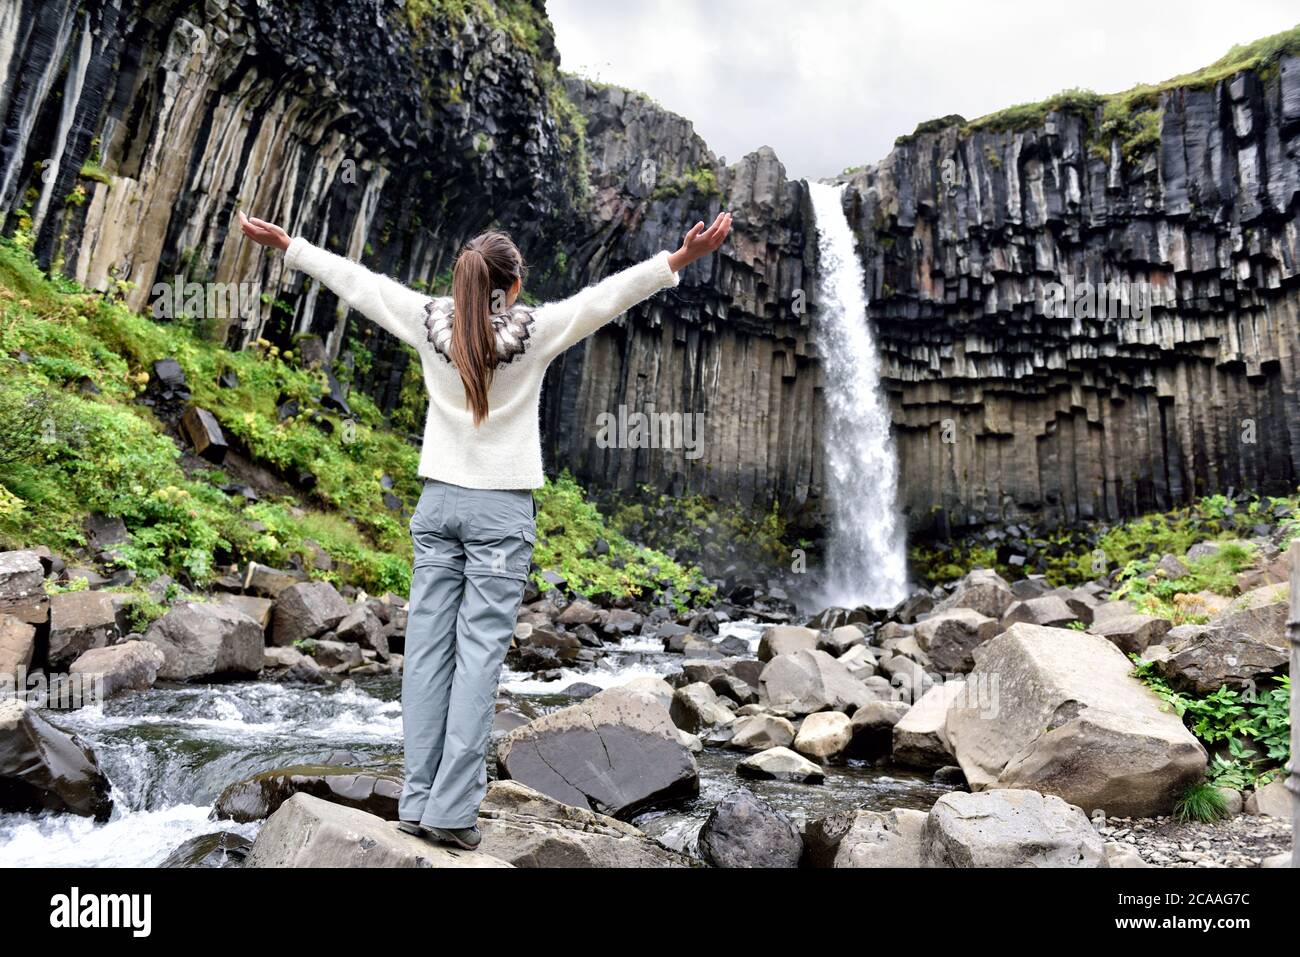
{"x": 472, "y": 553}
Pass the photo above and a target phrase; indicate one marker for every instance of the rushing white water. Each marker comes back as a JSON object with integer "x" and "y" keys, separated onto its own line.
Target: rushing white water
{"x": 865, "y": 557}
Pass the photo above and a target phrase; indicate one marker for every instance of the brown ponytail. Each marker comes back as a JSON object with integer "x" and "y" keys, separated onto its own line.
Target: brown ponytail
{"x": 485, "y": 270}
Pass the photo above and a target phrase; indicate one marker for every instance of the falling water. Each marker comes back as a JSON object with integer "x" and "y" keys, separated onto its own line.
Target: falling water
{"x": 865, "y": 555}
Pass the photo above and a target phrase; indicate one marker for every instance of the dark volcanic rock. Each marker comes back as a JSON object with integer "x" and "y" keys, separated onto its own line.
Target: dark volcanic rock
{"x": 742, "y": 831}
{"x": 45, "y": 769}
{"x": 261, "y": 795}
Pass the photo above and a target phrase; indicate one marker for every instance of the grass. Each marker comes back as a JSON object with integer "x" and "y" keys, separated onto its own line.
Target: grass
{"x": 75, "y": 438}
{"x": 1132, "y": 116}
{"x": 1200, "y": 802}
{"x": 702, "y": 179}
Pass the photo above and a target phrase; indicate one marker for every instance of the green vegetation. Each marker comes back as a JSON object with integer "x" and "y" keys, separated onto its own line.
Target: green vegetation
{"x": 522, "y": 21}
{"x": 1248, "y": 734}
{"x": 569, "y": 527}
{"x": 1200, "y": 802}
{"x": 705, "y": 532}
{"x": 702, "y": 179}
{"x": 1154, "y": 593}
{"x": 931, "y": 126}
{"x": 1071, "y": 556}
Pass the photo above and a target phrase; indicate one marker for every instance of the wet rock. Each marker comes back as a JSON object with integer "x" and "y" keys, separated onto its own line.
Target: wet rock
{"x": 889, "y": 839}
{"x": 920, "y": 738}
{"x": 205, "y": 642}
{"x": 45, "y": 769}
{"x": 306, "y": 610}
{"x": 538, "y": 648}
{"x": 743, "y": 831}
{"x": 615, "y": 753}
{"x": 824, "y": 735}
{"x": 130, "y": 666}
{"x": 1079, "y": 725}
{"x": 79, "y": 621}
{"x": 529, "y": 829}
{"x": 309, "y": 832}
{"x": 808, "y": 681}
{"x": 780, "y": 764}
{"x": 1009, "y": 828}
{"x": 222, "y": 849}
{"x": 261, "y": 795}
{"x": 948, "y": 637}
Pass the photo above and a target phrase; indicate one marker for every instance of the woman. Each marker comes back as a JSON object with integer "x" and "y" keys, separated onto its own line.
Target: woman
{"x": 483, "y": 356}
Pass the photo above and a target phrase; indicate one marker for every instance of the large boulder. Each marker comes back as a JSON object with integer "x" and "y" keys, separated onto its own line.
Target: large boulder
{"x": 256, "y": 608}
{"x": 1051, "y": 610}
{"x": 786, "y": 640}
{"x": 615, "y": 753}
{"x": 79, "y": 621}
{"x": 306, "y": 610}
{"x": 258, "y": 797}
{"x": 808, "y": 681}
{"x": 1070, "y": 719}
{"x": 309, "y": 832}
{"x": 362, "y": 626}
{"x": 1009, "y": 828}
{"x": 743, "y": 831}
{"x": 920, "y": 738}
{"x": 45, "y": 769}
{"x": 130, "y": 666}
{"x": 202, "y": 641}
{"x": 949, "y": 637}
{"x": 17, "y": 646}
{"x": 1260, "y": 613}
{"x": 983, "y": 591}
{"x": 873, "y": 727}
{"x": 889, "y": 839}
{"x": 529, "y": 829}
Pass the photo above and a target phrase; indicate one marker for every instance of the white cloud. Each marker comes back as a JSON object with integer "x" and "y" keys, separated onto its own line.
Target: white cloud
{"x": 831, "y": 83}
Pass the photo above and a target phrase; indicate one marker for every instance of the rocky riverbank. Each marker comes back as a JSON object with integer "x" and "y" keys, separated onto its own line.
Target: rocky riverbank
{"x": 634, "y": 734}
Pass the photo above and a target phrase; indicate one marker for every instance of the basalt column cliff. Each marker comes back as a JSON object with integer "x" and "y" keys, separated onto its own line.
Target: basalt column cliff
{"x": 131, "y": 131}
{"x": 1007, "y": 409}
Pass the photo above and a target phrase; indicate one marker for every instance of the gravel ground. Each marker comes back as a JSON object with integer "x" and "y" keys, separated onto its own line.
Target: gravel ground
{"x": 1241, "y": 841}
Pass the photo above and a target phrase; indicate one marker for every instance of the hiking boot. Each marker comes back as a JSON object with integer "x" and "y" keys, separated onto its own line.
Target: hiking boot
{"x": 467, "y": 838}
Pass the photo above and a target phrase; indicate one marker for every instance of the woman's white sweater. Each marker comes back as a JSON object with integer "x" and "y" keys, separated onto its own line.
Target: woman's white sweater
{"x": 505, "y": 450}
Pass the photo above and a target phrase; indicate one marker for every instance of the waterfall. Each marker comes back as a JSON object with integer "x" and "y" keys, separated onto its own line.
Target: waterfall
{"x": 865, "y": 554}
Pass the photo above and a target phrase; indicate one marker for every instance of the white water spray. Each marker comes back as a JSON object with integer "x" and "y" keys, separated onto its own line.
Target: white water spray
{"x": 865, "y": 556}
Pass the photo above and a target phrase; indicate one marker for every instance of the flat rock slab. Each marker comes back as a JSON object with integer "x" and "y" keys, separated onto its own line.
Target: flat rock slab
{"x": 261, "y": 795}
{"x": 615, "y": 753}
{"x": 309, "y": 832}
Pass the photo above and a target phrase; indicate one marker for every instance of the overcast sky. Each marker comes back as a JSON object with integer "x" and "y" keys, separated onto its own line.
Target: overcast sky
{"x": 831, "y": 83}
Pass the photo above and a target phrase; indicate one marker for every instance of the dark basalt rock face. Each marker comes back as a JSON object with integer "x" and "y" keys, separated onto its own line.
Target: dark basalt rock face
{"x": 1003, "y": 412}
{"x": 393, "y": 144}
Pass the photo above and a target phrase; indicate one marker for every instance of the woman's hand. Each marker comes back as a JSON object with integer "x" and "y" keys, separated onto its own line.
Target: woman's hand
{"x": 699, "y": 242}
{"x": 264, "y": 233}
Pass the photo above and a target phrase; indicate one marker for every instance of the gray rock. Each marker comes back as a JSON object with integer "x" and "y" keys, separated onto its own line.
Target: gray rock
{"x": 808, "y": 681}
{"x": 258, "y": 797}
{"x": 761, "y": 731}
{"x": 79, "y": 621}
{"x": 1272, "y": 799}
{"x": 696, "y": 708}
{"x": 615, "y": 753}
{"x": 45, "y": 769}
{"x": 206, "y": 641}
{"x": 786, "y": 639}
{"x": 1131, "y": 634}
{"x": 309, "y": 832}
{"x": 780, "y": 764}
{"x": 305, "y": 610}
{"x": 1060, "y": 712}
{"x": 949, "y": 637}
{"x": 22, "y": 587}
{"x": 529, "y": 829}
{"x": 983, "y": 591}
{"x": 743, "y": 831}
{"x": 1009, "y": 828}
{"x": 1049, "y": 610}
{"x": 824, "y": 735}
{"x": 839, "y": 640}
{"x": 889, "y": 839}
{"x": 17, "y": 646}
{"x": 130, "y": 666}
{"x": 920, "y": 738}
{"x": 873, "y": 727}
{"x": 1207, "y": 658}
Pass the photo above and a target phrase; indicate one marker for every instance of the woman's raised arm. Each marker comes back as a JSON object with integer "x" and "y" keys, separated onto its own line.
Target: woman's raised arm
{"x": 384, "y": 301}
